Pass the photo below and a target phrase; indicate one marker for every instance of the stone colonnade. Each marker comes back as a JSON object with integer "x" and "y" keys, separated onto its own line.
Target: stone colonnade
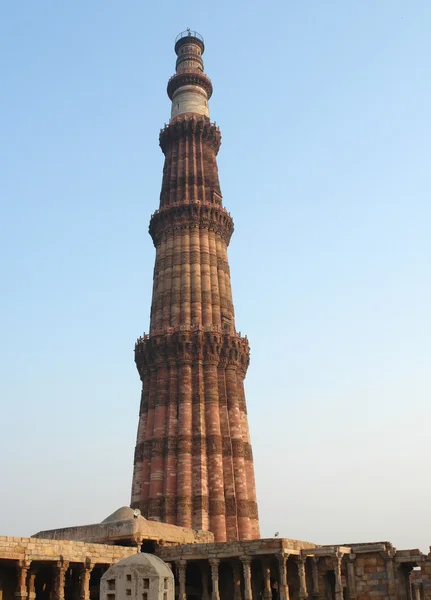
{"x": 276, "y": 576}
{"x": 27, "y": 572}
{"x": 320, "y": 573}
{"x": 54, "y": 569}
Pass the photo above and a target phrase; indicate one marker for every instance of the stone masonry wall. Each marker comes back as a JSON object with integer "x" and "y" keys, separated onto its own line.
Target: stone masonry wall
{"x": 371, "y": 577}
{"x": 137, "y": 529}
{"x": 233, "y": 549}
{"x": 29, "y": 549}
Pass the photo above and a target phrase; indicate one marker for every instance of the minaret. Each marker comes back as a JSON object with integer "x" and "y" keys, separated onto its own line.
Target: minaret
{"x": 193, "y": 460}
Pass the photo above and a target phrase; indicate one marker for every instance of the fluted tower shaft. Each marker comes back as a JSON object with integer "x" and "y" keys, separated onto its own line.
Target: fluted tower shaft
{"x": 193, "y": 460}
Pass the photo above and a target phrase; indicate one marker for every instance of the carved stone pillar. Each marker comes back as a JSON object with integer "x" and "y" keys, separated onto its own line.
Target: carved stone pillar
{"x": 267, "y": 593}
{"x": 392, "y": 584}
{"x": 21, "y": 588}
{"x": 236, "y": 581}
{"x": 246, "y": 565}
{"x": 416, "y": 590}
{"x": 214, "y": 563}
{"x": 338, "y": 579}
{"x": 84, "y": 588}
{"x": 181, "y": 566}
{"x": 351, "y": 576}
{"x": 283, "y": 585}
{"x": 302, "y": 580}
{"x": 315, "y": 573}
{"x": 31, "y": 579}
{"x": 59, "y": 579}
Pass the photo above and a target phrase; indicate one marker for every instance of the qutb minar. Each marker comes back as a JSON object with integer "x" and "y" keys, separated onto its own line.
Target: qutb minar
{"x": 193, "y": 460}
{"x": 193, "y": 481}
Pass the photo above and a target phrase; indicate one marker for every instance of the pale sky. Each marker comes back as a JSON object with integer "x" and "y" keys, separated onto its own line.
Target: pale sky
{"x": 324, "y": 109}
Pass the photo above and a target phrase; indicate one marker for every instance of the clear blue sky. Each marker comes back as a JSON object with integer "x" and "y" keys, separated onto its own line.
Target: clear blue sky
{"x": 324, "y": 109}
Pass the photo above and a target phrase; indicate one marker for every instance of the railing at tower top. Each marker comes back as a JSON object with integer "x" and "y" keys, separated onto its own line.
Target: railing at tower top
{"x": 189, "y": 33}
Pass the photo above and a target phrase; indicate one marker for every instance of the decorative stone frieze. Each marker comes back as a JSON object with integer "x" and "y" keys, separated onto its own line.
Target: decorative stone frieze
{"x": 179, "y": 216}
{"x": 194, "y": 78}
{"x": 188, "y": 345}
{"x": 194, "y": 125}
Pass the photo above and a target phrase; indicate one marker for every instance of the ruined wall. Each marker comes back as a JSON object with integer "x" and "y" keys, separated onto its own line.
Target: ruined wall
{"x": 32, "y": 549}
{"x": 126, "y": 530}
{"x": 243, "y": 569}
{"x": 426, "y": 578}
{"x": 39, "y": 569}
{"x": 233, "y": 549}
{"x": 371, "y": 577}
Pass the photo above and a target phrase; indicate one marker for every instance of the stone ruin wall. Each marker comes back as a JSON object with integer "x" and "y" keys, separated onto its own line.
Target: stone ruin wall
{"x": 63, "y": 564}
{"x": 33, "y": 549}
{"x": 303, "y": 570}
{"x": 359, "y": 572}
{"x": 137, "y": 529}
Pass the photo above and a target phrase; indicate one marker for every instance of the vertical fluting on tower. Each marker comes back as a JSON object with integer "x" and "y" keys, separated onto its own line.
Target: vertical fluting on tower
{"x": 193, "y": 461}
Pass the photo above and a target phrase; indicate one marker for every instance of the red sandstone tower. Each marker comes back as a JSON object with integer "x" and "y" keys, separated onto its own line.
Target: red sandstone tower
{"x": 193, "y": 461}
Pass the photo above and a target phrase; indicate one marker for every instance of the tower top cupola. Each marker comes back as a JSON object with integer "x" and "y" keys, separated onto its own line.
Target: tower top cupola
{"x": 189, "y": 89}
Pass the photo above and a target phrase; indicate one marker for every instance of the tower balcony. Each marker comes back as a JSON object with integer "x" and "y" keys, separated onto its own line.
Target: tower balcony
{"x": 189, "y": 37}
{"x": 188, "y": 343}
{"x": 194, "y": 213}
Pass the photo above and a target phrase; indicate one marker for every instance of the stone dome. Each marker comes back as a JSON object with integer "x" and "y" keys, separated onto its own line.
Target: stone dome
{"x": 125, "y": 513}
{"x": 152, "y": 565}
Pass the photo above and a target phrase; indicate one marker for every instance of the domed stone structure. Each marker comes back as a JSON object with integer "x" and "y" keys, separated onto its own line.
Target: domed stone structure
{"x": 125, "y": 513}
{"x": 138, "y": 577}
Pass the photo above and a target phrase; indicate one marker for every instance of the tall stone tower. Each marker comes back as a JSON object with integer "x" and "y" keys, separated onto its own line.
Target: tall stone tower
{"x": 193, "y": 460}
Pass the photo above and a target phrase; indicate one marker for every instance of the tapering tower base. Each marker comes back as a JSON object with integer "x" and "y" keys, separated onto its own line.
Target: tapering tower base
{"x": 193, "y": 461}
